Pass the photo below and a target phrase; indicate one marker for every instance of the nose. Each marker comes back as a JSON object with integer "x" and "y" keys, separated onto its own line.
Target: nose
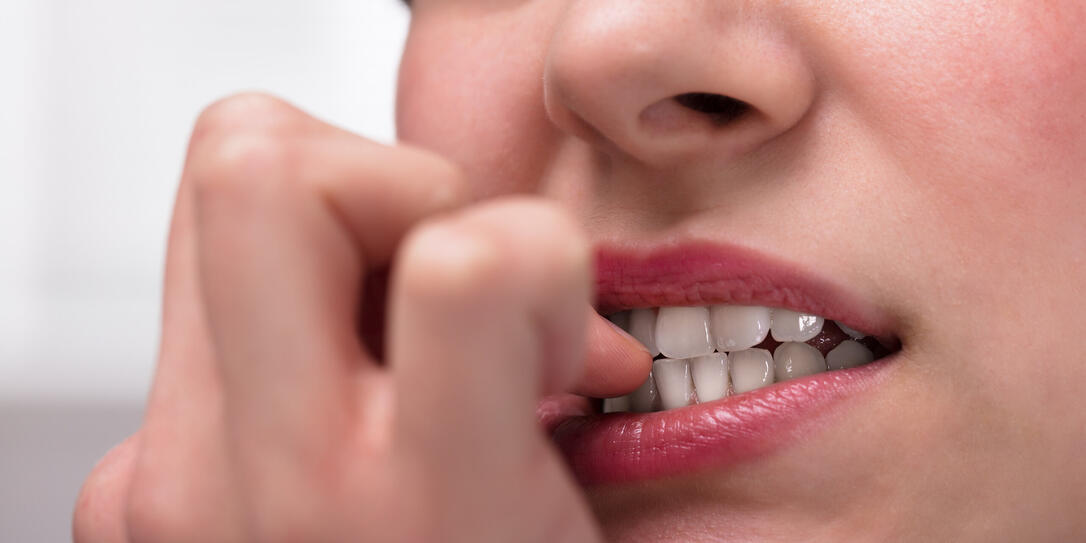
{"x": 668, "y": 81}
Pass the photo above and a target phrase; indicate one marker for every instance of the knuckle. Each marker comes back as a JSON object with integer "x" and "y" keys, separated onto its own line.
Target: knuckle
{"x": 243, "y": 143}
{"x": 546, "y": 241}
{"x": 429, "y": 161}
{"x": 249, "y": 111}
{"x": 511, "y": 247}
{"x": 242, "y": 162}
{"x": 453, "y": 188}
{"x": 442, "y": 261}
{"x": 235, "y": 169}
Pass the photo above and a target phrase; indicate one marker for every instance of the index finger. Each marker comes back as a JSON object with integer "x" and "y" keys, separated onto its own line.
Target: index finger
{"x": 378, "y": 191}
{"x": 226, "y": 224}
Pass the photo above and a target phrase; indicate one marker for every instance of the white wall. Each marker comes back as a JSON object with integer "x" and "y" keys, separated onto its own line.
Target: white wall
{"x": 98, "y": 98}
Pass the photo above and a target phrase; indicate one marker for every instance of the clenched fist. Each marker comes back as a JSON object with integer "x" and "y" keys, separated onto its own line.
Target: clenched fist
{"x": 271, "y": 420}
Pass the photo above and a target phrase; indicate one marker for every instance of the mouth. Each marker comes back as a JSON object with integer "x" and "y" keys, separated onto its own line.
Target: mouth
{"x": 749, "y": 354}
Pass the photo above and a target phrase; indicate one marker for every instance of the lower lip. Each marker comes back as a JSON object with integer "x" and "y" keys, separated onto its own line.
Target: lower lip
{"x": 630, "y": 447}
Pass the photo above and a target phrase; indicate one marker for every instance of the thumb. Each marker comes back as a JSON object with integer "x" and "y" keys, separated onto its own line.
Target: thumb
{"x": 615, "y": 363}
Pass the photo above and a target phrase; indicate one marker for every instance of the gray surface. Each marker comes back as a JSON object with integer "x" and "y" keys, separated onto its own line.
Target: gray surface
{"x": 45, "y": 453}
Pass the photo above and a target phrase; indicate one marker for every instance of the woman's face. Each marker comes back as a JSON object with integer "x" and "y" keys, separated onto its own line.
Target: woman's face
{"x": 925, "y": 159}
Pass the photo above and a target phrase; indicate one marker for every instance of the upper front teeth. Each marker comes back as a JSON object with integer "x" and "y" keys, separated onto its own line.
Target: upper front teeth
{"x": 643, "y": 328}
{"x": 751, "y": 369}
{"x": 738, "y": 327}
{"x": 683, "y": 332}
{"x": 692, "y": 372}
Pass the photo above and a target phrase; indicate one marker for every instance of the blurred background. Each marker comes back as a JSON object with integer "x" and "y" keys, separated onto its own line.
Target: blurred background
{"x": 96, "y": 102}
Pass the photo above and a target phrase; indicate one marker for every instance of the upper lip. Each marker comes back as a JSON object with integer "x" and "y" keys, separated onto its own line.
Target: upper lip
{"x": 703, "y": 273}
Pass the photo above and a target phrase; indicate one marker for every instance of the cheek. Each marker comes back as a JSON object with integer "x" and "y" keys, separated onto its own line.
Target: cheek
{"x": 979, "y": 105}
{"x": 471, "y": 89}
{"x": 987, "y": 91}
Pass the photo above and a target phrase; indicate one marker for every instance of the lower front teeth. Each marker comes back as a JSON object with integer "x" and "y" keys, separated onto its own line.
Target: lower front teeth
{"x": 643, "y": 400}
{"x": 710, "y": 373}
{"x": 673, "y": 383}
{"x": 751, "y": 369}
{"x": 616, "y": 405}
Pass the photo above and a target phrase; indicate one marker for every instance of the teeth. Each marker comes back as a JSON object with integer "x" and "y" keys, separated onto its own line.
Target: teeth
{"x": 792, "y": 326}
{"x": 751, "y": 369}
{"x": 643, "y": 328}
{"x": 710, "y": 373}
{"x": 848, "y": 354}
{"x": 794, "y": 360}
{"x": 854, "y": 334}
{"x": 709, "y": 354}
{"x": 616, "y": 405}
{"x": 673, "y": 383}
{"x": 643, "y": 400}
{"x": 683, "y": 332}
{"x": 738, "y": 327}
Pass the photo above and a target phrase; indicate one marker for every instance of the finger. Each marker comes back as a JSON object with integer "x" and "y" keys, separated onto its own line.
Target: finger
{"x": 181, "y": 481}
{"x": 291, "y": 213}
{"x": 487, "y": 313}
{"x": 100, "y": 508}
{"x": 376, "y": 190}
{"x": 615, "y": 363}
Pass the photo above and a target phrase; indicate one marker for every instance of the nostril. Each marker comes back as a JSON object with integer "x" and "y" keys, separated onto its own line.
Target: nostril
{"x": 718, "y": 108}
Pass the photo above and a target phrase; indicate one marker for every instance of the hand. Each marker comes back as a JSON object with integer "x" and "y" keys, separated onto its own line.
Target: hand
{"x": 270, "y": 420}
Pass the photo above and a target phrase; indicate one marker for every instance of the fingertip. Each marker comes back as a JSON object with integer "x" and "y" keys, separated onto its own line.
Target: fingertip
{"x": 615, "y": 362}
{"x": 452, "y": 190}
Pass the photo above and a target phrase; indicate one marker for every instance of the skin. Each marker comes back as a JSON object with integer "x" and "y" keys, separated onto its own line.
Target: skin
{"x": 932, "y": 150}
